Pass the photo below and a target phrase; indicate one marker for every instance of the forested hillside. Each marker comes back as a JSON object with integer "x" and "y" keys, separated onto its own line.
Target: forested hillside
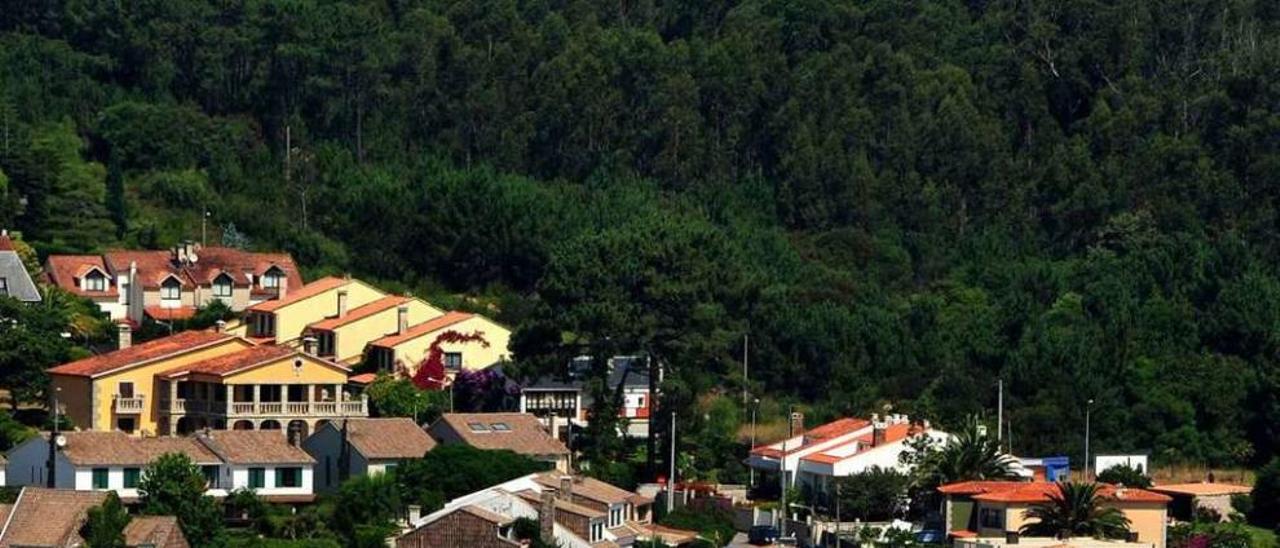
{"x": 899, "y": 200}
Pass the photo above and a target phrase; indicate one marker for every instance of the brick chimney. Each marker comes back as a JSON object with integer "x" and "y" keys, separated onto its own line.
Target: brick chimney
{"x": 566, "y": 488}
{"x": 402, "y": 319}
{"x": 342, "y": 303}
{"x": 282, "y": 287}
{"x": 547, "y": 516}
{"x": 797, "y": 423}
{"x": 877, "y": 431}
{"x": 124, "y": 335}
{"x": 220, "y": 326}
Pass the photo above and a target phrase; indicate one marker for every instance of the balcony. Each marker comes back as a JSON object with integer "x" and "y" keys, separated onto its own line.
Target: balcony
{"x": 129, "y": 406}
{"x": 352, "y": 408}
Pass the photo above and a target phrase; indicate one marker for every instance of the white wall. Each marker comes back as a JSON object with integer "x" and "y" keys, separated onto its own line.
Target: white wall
{"x": 1103, "y": 462}
{"x": 240, "y": 479}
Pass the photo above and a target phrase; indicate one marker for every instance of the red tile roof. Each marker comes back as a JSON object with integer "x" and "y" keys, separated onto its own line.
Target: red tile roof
{"x": 5, "y": 243}
{"x": 522, "y": 433}
{"x": 363, "y": 378}
{"x": 234, "y": 362}
{"x": 1040, "y": 491}
{"x": 361, "y": 312}
{"x": 254, "y": 447}
{"x": 166, "y": 314}
{"x": 424, "y": 328}
{"x": 833, "y": 429}
{"x": 307, "y": 291}
{"x": 154, "y": 266}
{"x": 63, "y": 270}
{"x": 387, "y": 438}
{"x": 892, "y": 433}
{"x": 173, "y": 345}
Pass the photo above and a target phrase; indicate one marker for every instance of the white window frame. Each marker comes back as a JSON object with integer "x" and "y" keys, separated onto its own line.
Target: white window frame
{"x": 446, "y": 359}
{"x": 166, "y": 287}
{"x": 271, "y": 278}
{"x": 597, "y": 531}
{"x": 95, "y": 281}
{"x": 221, "y": 283}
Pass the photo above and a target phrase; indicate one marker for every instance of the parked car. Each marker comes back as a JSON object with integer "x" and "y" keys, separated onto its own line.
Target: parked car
{"x": 931, "y": 536}
{"x": 763, "y": 535}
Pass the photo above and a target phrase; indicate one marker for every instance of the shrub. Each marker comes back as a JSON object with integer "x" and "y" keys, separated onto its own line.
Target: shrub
{"x": 1129, "y": 476}
{"x": 1266, "y": 496}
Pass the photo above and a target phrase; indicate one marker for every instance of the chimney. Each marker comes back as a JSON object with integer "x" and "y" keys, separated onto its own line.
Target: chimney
{"x": 566, "y": 488}
{"x": 402, "y": 319}
{"x": 124, "y": 335}
{"x": 282, "y": 287}
{"x": 877, "y": 434}
{"x": 797, "y": 423}
{"x": 415, "y": 514}
{"x": 342, "y": 303}
{"x": 309, "y": 345}
{"x": 220, "y": 326}
{"x": 547, "y": 516}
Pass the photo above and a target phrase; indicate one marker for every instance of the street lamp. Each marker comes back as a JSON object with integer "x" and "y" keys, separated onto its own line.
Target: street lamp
{"x": 755, "y": 404}
{"x": 1088, "y": 408}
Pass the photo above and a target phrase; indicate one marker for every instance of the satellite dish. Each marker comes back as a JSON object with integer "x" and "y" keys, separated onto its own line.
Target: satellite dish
{"x": 192, "y": 257}
{"x": 61, "y": 440}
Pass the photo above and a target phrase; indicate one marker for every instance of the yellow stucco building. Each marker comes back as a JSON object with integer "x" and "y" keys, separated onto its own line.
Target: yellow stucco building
{"x": 404, "y": 350}
{"x": 344, "y": 337}
{"x": 284, "y": 320}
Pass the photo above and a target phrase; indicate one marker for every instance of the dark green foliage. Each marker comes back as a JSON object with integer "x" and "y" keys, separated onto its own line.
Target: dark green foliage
{"x": 528, "y": 529}
{"x": 1126, "y": 475}
{"x": 877, "y": 494}
{"x": 398, "y": 397}
{"x": 31, "y": 339}
{"x": 1217, "y": 535}
{"x": 172, "y": 485}
{"x": 711, "y": 523}
{"x": 365, "y": 509}
{"x": 1075, "y": 511}
{"x": 899, "y": 201}
{"x": 970, "y": 454}
{"x": 105, "y": 523}
{"x": 450, "y": 471}
{"x": 1266, "y": 496}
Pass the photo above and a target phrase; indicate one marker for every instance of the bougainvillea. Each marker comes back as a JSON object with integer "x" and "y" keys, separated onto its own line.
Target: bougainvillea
{"x": 431, "y": 374}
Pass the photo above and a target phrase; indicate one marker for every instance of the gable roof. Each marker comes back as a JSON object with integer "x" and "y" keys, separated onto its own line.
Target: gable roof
{"x": 1042, "y": 491}
{"x": 811, "y": 437}
{"x": 242, "y": 360}
{"x": 302, "y": 293}
{"x": 424, "y": 328}
{"x": 164, "y": 347}
{"x": 361, "y": 312}
{"x": 524, "y": 434}
{"x": 387, "y": 438}
{"x": 18, "y": 282}
{"x": 588, "y": 488}
{"x": 253, "y": 447}
{"x": 63, "y": 270}
{"x": 154, "y": 532}
{"x": 48, "y": 517}
{"x": 115, "y": 448}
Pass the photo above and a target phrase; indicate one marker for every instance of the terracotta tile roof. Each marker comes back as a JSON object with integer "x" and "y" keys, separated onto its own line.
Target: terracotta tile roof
{"x": 424, "y": 328}
{"x": 361, "y": 312}
{"x": 154, "y": 266}
{"x": 892, "y": 434}
{"x": 562, "y": 505}
{"x": 234, "y": 362}
{"x": 254, "y": 447}
{"x": 523, "y": 433}
{"x": 6, "y": 244}
{"x": 588, "y": 488}
{"x": 305, "y": 292}
{"x": 173, "y": 345}
{"x": 491, "y": 517}
{"x": 213, "y": 261}
{"x": 1202, "y": 489}
{"x": 114, "y": 448}
{"x": 819, "y": 434}
{"x": 48, "y": 517}
{"x": 1040, "y": 491}
{"x": 166, "y": 314}
{"x": 154, "y": 532}
{"x": 62, "y": 271}
{"x": 363, "y": 378}
{"x": 387, "y": 438}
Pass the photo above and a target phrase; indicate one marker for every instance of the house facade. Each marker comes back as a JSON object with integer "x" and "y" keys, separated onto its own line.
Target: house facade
{"x": 406, "y": 347}
{"x": 992, "y": 513}
{"x": 113, "y": 461}
{"x": 344, "y": 337}
{"x": 812, "y": 459}
{"x": 205, "y": 379}
{"x": 517, "y": 432}
{"x": 172, "y": 284}
{"x": 558, "y": 402}
{"x": 355, "y": 447}
{"x": 284, "y": 320}
{"x": 15, "y": 281}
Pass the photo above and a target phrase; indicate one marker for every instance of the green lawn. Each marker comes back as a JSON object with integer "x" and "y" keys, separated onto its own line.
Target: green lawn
{"x": 1262, "y": 538}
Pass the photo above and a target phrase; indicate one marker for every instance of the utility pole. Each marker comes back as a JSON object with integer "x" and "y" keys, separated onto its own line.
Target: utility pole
{"x": 671, "y": 480}
{"x": 1000, "y": 413}
{"x": 745, "y": 377}
{"x": 837, "y": 512}
{"x": 204, "y": 229}
{"x": 1088, "y": 408}
{"x": 782, "y": 464}
{"x": 751, "y": 470}
{"x": 52, "y": 480}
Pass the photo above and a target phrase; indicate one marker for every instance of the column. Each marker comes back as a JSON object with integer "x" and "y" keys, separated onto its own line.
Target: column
{"x": 257, "y": 397}
{"x": 173, "y": 393}
{"x": 311, "y": 396}
{"x": 231, "y": 393}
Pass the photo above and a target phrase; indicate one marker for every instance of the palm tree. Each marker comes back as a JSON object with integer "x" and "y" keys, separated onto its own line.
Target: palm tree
{"x": 969, "y": 455}
{"x": 1074, "y": 510}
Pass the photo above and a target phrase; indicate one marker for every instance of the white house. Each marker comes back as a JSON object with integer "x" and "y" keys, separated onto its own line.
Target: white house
{"x": 373, "y": 446}
{"x": 840, "y": 448}
{"x": 114, "y": 461}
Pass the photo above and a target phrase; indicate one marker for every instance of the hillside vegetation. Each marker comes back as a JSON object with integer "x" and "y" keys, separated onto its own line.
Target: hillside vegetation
{"x": 901, "y": 201}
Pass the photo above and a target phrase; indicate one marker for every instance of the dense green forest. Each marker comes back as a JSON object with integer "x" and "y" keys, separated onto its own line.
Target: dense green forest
{"x": 900, "y": 201}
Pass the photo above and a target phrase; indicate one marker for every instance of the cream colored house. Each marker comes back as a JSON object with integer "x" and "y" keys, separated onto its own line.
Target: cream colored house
{"x": 284, "y": 320}
{"x": 406, "y": 347}
{"x": 343, "y": 337}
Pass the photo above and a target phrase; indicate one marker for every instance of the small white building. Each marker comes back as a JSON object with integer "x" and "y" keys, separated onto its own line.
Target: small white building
{"x": 373, "y": 446}
{"x": 114, "y": 461}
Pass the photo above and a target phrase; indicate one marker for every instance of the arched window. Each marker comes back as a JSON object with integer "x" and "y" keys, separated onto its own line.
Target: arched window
{"x": 171, "y": 290}
{"x": 222, "y": 286}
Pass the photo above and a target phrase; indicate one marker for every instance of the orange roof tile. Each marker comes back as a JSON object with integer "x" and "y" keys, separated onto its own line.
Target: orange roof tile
{"x": 1202, "y": 489}
{"x": 361, "y": 312}
{"x": 165, "y": 347}
{"x": 5, "y": 243}
{"x": 819, "y": 434}
{"x": 166, "y": 314}
{"x": 63, "y": 270}
{"x": 424, "y": 328}
{"x": 892, "y": 433}
{"x": 234, "y": 362}
{"x": 1040, "y": 491}
{"x": 363, "y": 378}
{"x": 307, "y": 291}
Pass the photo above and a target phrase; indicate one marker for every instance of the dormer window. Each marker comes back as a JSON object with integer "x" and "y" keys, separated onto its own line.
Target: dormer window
{"x": 271, "y": 278}
{"x": 171, "y": 290}
{"x": 222, "y": 286}
{"x": 95, "y": 281}
{"x": 4, "y": 287}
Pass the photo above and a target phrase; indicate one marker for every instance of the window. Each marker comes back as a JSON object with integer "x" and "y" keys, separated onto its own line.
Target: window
{"x": 264, "y": 325}
{"x": 124, "y": 291}
{"x": 99, "y": 478}
{"x": 95, "y": 281}
{"x": 124, "y": 389}
{"x": 222, "y": 286}
{"x": 126, "y": 424}
{"x": 500, "y": 427}
{"x": 131, "y": 477}
{"x": 326, "y": 343}
{"x": 597, "y": 531}
{"x": 271, "y": 278}
{"x": 991, "y": 518}
{"x": 478, "y": 427}
{"x": 452, "y": 361}
{"x": 171, "y": 290}
{"x": 212, "y": 478}
{"x": 615, "y": 516}
{"x": 4, "y": 287}
{"x": 289, "y": 477}
{"x": 257, "y": 478}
